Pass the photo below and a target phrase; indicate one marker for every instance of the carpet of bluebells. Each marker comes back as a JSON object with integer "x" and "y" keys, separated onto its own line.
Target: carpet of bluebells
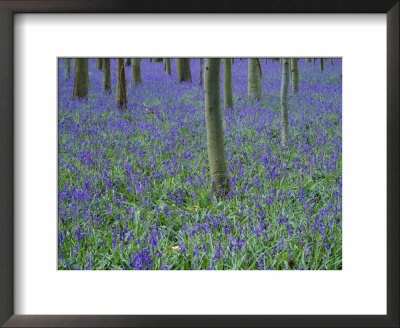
{"x": 134, "y": 189}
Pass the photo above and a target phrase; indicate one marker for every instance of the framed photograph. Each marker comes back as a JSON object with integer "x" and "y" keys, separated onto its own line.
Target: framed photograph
{"x": 218, "y": 164}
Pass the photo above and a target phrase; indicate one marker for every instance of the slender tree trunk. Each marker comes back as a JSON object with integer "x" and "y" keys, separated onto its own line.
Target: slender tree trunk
{"x": 215, "y": 133}
{"x": 99, "y": 62}
{"x": 128, "y": 62}
{"x": 167, "y": 65}
{"x": 201, "y": 71}
{"x": 121, "y": 101}
{"x": 280, "y": 61}
{"x": 136, "y": 74}
{"x": 254, "y": 78}
{"x": 308, "y": 60}
{"x": 321, "y": 64}
{"x": 81, "y": 78}
{"x": 67, "y": 68}
{"x": 228, "y": 102}
{"x": 295, "y": 74}
{"x": 158, "y": 60}
{"x": 106, "y": 74}
{"x": 150, "y": 60}
{"x": 331, "y": 61}
{"x": 233, "y": 61}
{"x": 284, "y": 106}
{"x": 183, "y": 69}
{"x": 314, "y": 60}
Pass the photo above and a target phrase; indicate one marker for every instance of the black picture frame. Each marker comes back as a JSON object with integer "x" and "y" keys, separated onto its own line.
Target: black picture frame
{"x": 10, "y": 7}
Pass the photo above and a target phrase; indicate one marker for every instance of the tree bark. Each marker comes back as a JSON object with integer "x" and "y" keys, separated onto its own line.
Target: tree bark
{"x": 128, "y": 62}
{"x": 183, "y": 69}
{"x": 228, "y": 102}
{"x": 106, "y": 74}
{"x": 321, "y": 64}
{"x": 136, "y": 74}
{"x": 331, "y": 61}
{"x": 215, "y": 134}
{"x": 99, "y": 62}
{"x": 254, "y": 79}
{"x": 295, "y": 74}
{"x": 121, "y": 101}
{"x": 81, "y": 78}
{"x": 67, "y": 68}
{"x": 167, "y": 65}
{"x": 284, "y": 106}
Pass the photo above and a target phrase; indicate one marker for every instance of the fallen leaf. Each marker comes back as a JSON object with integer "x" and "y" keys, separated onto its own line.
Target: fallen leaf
{"x": 291, "y": 263}
{"x": 174, "y": 248}
{"x": 196, "y": 207}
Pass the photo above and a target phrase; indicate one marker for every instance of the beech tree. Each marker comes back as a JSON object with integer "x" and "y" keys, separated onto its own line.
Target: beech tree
{"x": 121, "y": 101}
{"x": 183, "y": 69}
{"x": 284, "y": 106}
{"x": 215, "y": 134}
{"x": 136, "y": 74}
{"x": 67, "y": 68}
{"x": 167, "y": 65}
{"x": 201, "y": 71}
{"x": 81, "y": 78}
{"x": 228, "y": 102}
{"x": 106, "y": 74}
{"x": 331, "y": 61}
{"x": 294, "y": 74}
{"x": 254, "y": 78}
{"x": 321, "y": 64}
{"x": 98, "y": 63}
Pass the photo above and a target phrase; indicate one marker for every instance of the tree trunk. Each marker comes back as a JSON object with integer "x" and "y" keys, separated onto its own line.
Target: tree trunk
{"x": 295, "y": 74}
{"x": 321, "y": 64}
{"x": 284, "y": 106}
{"x": 331, "y": 61}
{"x": 167, "y": 65}
{"x": 254, "y": 79}
{"x": 314, "y": 60}
{"x": 183, "y": 69}
{"x": 136, "y": 74}
{"x": 106, "y": 74}
{"x": 201, "y": 71}
{"x": 228, "y": 102}
{"x": 67, "y": 68}
{"x": 308, "y": 60}
{"x": 158, "y": 60}
{"x": 81, "y": 78}
{"x": 121, "y": 101}
{"x": 128, "y": 62}
{"x": 215, "y": 133}
{"x": 99, "y": 62}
